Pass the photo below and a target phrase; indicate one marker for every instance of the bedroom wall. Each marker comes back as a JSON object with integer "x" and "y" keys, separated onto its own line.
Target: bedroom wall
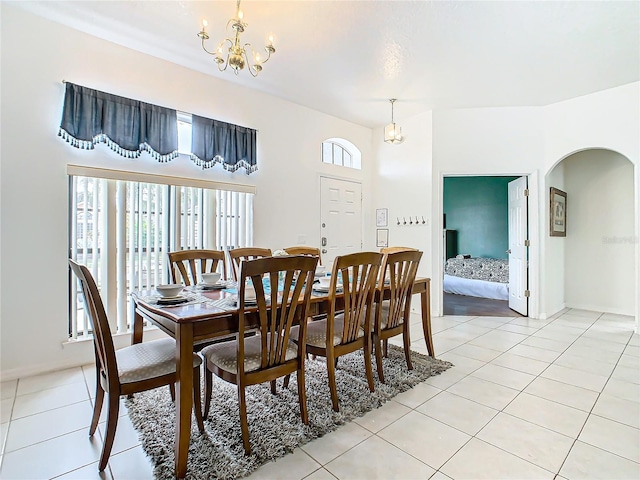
{"x": 600, "y": 242}
{"x": 477, "y": 209}
{"x": 34, "y": 182}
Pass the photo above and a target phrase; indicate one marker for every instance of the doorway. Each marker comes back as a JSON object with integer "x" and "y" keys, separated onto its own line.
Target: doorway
{"x": 485, "y": 245}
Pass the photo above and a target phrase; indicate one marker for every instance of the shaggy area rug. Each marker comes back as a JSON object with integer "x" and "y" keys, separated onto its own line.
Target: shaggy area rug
{"x": 275, "y": 428}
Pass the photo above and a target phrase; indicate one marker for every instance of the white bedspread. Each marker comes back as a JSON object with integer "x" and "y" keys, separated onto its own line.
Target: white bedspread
{"x": 476, "y": 288}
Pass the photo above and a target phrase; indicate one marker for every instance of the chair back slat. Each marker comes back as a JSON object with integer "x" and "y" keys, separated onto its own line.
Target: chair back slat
{"x": 191, "y": 264}
{"x": 359, "y": 272}
{"x": 290, "y": 298}
{"x": 400, "y": 269}
{"x": 103, "y": 341}
{"x": 238, "y": 255}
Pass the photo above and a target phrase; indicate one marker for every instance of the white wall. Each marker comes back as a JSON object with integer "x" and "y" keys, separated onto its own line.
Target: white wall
{"x": 609, "y": 119}
{"x": 552, "y": 266}
{"x": 34, "y": 192}
{"x": 600, "y": 242}
{"x": 486, "y": 141}
{"x": 515, "y": 141}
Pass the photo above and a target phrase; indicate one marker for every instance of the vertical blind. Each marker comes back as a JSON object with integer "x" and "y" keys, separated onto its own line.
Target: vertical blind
{"x": 122, "y": 231}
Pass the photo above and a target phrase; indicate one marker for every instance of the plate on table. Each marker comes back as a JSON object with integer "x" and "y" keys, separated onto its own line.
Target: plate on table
{"x": 177, "y": 300}
{"x": 212, "y": 286}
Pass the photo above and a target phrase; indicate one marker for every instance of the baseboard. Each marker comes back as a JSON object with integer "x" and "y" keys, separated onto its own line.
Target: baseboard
{"x": 600, "y": 308}
{"x": 556, "y": 311}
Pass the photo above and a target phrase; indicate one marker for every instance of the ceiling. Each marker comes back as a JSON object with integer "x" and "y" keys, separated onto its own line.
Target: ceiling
{"x": 347, "y": 58}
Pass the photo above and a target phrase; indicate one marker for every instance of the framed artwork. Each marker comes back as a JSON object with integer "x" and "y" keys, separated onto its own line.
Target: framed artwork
{"x": 382, "y": 237}
{"x": 382, "y": 215}
{"x": 557, "y": 213}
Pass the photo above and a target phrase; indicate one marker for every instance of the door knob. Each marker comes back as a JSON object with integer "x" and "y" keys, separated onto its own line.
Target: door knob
{"x": 324, "y": 250}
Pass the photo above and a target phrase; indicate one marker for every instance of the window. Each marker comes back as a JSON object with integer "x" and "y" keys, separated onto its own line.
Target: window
{"x": 338, "y": 151}
{"x": 184, "y": 133}
{"x": 122, "y": 230}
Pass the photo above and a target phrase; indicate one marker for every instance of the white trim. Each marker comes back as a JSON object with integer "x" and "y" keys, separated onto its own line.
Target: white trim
{"x": 84, "y": 171}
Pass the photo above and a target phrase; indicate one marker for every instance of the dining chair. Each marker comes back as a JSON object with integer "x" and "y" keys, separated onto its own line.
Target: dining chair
{"x": 397, "y": 249}
{"x": 270, "y": 354}
{"x": 129, "y": 370}
{"x": 304, "y": 250}
{"x": 237, "y": 255}
{"x": 348, "y": 330}
{"x": 191, "y": 264}
{"x": 391, "y": 318}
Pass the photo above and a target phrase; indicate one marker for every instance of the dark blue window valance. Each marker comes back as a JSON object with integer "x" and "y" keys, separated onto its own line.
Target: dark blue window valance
{"x": 127, "y": 126}
{"x": 214, "y": 142}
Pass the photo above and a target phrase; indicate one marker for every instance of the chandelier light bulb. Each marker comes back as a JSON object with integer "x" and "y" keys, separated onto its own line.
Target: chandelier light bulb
{"x": 240, "y": 14}
{"x": 204, "y": 24}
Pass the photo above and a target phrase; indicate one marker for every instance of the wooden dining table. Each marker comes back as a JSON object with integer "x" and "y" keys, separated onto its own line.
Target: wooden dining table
{"x": 207, "y": 319}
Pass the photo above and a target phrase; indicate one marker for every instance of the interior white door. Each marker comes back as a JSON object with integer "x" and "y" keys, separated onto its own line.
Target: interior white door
{"x": 340, "y": 218}
{"x": 518, "y": 254}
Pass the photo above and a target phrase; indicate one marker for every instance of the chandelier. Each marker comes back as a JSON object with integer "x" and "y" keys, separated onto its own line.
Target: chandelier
{"x": 231, "y": 52}
{"x": 392, "y": 132}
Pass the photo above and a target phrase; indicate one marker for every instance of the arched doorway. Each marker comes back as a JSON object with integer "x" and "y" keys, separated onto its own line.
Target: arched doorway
{"x": 594, "y": 266}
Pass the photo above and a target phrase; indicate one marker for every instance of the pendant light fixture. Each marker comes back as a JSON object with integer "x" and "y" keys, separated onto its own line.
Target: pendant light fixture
{"x": 392, "y": 132}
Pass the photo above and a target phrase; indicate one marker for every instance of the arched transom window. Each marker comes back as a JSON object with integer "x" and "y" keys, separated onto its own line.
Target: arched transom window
{"x": 339, "y": 151}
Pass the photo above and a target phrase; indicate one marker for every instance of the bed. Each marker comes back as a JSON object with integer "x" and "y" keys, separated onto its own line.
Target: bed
{"x": 477, "y": 277}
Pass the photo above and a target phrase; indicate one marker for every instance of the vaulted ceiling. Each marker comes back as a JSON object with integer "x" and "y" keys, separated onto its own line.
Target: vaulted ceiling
{"x": 347, "y": 58}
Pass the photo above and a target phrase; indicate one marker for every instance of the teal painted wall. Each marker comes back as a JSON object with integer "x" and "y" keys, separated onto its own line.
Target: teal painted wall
{"x": 477, "y": 208}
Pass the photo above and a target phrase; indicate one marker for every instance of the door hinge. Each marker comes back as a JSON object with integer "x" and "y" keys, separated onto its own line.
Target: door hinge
{"x": 527, "y": 293}
{"x": 526, "y": 192}
{"x": 527, "y": 243}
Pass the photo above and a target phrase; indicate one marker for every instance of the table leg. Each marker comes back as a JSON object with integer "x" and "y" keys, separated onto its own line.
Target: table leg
{"x": 138, "y": 325}
{"x": 425, "y": 306}
{"x": 184, "y": 395}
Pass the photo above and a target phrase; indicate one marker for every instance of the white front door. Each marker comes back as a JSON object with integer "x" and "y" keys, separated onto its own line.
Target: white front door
{"x": 518, "y": 265}
{"x": 340, "y": 218}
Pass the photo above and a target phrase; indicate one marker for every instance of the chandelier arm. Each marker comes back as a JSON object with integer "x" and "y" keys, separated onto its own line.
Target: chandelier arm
{"x": 254, "y": 68}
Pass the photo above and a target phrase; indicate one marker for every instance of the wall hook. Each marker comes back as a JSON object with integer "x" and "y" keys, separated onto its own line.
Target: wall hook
{"x": 423, "y": 221}
{"x": 405, "y": 220}
{"x": 410, "y": 220}
{"x": 398, "y": 220}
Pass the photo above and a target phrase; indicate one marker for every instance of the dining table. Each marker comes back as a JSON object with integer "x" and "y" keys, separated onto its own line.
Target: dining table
{"x": 209, "y": 314}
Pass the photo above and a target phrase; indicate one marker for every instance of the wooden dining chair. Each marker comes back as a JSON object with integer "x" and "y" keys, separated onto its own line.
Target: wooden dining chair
{"x": 129, "y": 370}
{"x": 187, "y": 266}
{"x": 347, "y": 330}
{"x": 270, "y": 354}
{"x": 397, "y": 275}
{"x": 237, "y": 255}
{"x": 304, "y": 250}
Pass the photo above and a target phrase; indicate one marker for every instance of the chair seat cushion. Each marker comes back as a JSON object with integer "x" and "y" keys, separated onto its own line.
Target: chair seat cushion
{"x": 143, "y": 361}
{"x": 384, "y": 315}
{"x": 225, "y": 354}
{"x": 317, "y": 332}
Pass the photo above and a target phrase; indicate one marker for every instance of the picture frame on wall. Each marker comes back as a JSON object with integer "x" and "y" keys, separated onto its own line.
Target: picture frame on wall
{"x": 382, "y": 217}
{"x": 557, "y": 213}
{"x": 382, "y": 237}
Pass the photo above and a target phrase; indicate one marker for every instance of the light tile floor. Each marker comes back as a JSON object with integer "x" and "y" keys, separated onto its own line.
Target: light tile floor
{"x": 556, "y": 398}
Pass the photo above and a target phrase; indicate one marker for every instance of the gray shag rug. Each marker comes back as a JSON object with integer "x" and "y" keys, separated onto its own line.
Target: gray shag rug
{"x": 275, "y": 427}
